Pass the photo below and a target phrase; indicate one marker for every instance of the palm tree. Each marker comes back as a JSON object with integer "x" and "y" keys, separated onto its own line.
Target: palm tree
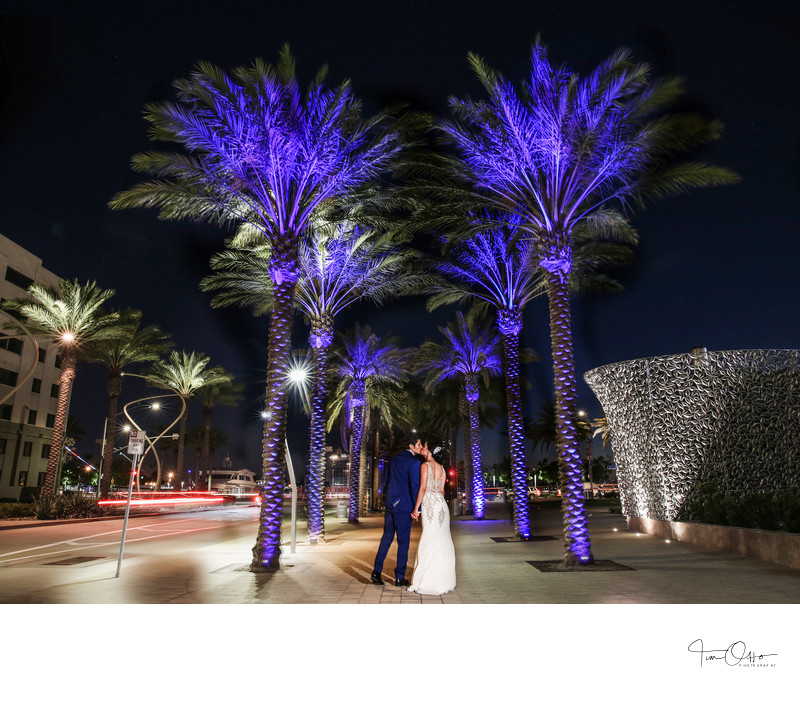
{"x": 496, "y": 268}
{"x": 600, "y": 426}
{"x": 387, "y": 407}
{"x": 224, "y": 392}
{"x": 261, "y": 153}
{"x": 557, "y": 154}
{"x": 184, "y": 373}
{"x": 69, "y": 317}
{"x": 196, "y": 439}
{"x": 543, "y": 428}
{"x": 361, "y": 360}
{"x": 470, "y": 351}
{"x": 339, "y": 265}
{"x": 132, "y": 345}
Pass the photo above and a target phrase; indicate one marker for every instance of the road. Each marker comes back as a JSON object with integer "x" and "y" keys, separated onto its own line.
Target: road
{"x": 51, "y": 563}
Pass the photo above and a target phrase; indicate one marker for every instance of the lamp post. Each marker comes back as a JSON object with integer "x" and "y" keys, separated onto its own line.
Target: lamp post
{"x": 582, "y": 413}
{"x": 297, "y": 376}
{"x": 125, "y": 429}
{"x": 156, "y": 405}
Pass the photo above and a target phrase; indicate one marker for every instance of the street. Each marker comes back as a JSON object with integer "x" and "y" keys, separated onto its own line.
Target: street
{"x": 36, "y": 563}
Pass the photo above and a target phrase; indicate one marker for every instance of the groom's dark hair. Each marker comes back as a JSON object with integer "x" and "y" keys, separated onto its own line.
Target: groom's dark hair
{"x": 413, "y": 438}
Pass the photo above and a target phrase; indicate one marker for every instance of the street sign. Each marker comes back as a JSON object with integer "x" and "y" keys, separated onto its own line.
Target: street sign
{"x": 136, "y": 442}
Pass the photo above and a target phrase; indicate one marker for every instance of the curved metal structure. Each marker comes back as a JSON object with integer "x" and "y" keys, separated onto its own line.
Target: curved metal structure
{"x": 27, "y": 376}
{"x": 732, "y": 417}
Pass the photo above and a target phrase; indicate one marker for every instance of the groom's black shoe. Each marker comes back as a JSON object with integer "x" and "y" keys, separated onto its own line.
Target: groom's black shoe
{"x": 402, "y": 582}
{"x": 376, "y": 578}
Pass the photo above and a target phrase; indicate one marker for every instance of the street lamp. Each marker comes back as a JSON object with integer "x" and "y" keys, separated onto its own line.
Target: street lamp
{"x": 156, "y": 405}
{"x": 298, "y": 376}
{"x": 582, "y": 413}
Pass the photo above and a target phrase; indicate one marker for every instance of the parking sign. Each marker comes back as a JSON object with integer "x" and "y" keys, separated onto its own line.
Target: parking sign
{"x": 136, "y": 442}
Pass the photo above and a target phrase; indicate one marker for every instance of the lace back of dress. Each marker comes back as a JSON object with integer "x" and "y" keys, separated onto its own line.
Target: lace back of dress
{"x": 434, "y": 485}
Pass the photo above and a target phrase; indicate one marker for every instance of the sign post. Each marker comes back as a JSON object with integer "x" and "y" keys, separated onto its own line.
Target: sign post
{"x": 135, "y": 449}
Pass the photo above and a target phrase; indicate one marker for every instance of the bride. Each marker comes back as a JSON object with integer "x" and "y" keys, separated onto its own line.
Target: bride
{"x": 435, "y": 565}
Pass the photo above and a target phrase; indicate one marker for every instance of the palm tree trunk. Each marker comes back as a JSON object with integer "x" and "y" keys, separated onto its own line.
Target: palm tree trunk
{"x": 364, "y": 481}
{"x": 376, "y": 452}
{"x": 478, "y": 500}
{"x": 315, "y": 471}
{"x": 357, "y": 400}
{"x": 205, "y": 450}
{"x": 510, "y": 323}
{"x": 576, "y": 530}
{"x": 267, "y": 549}
{"x": 463, "y": 408}
{"x": 114, "y": 389}
{"x": 68, "y": 364}
{"x": 181, "y": 446}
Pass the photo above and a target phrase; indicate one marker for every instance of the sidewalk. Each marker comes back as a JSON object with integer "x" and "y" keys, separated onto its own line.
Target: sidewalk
{"x": 490, "y": 570}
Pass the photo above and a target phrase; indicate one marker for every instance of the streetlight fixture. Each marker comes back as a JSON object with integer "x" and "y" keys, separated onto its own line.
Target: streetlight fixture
{"x": 156, "y": 405}
{"x": 298, "y": 376}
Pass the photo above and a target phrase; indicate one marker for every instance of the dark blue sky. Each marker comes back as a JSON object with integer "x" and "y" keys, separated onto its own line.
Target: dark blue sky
{"x": 715, "y": 268}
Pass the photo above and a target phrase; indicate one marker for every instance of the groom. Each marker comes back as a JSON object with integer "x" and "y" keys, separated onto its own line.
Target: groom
{"x": 402, "y": 487}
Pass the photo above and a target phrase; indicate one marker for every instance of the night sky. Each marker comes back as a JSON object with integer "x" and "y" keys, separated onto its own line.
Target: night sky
{"x": 715, "y": 267}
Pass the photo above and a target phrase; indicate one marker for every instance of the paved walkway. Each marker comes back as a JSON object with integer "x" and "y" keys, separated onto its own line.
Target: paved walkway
{"x": 490, "y": 570}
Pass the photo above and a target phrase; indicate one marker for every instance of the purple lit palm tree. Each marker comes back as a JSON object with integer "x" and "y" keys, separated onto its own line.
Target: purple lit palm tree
{"x": 261, "y": 154}
{"x": 387, "y": 406}
{"x": 497, "y": 268}
{"x": 338, "y": 265}
{"x": 469, "y": 352}
{"x": 556, "y": 154}
{"x": 361, "y": 360}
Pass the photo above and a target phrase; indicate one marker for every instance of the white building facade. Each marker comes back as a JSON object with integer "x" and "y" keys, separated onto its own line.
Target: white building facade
{"x": 27, "y": 416}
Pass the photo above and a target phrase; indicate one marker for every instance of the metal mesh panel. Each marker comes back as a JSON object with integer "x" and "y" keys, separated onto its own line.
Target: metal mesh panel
{"x": 732, "y": 417}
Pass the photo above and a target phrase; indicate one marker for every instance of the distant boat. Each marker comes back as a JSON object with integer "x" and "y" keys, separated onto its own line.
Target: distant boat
{"x": 229, "y": 481}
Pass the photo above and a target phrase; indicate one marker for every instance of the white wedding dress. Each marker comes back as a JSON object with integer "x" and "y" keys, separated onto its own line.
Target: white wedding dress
{"x": 435, "y": 564}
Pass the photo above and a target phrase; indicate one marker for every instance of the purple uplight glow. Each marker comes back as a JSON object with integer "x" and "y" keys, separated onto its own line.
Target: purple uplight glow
{"x": 499, "y": 266}
{"x": 362, "y": 360}
{"x": 469, "y": 350}
{"x": 558, "y": 154}
{"x": 265, "y": 156}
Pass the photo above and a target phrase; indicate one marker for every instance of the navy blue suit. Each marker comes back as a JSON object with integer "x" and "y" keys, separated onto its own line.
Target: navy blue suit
{"x": 402, "y": 487}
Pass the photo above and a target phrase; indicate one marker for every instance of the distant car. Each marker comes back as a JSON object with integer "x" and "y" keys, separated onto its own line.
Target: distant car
{"x": 494, "y": 494}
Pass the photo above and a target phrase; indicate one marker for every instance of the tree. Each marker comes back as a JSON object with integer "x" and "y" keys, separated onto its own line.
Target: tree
{"x": 131, "y": 346}
{"x": 543, "y": 429}
{"x": 69, "y": 317}
{"x": 262, "y": 153}
{"x": 184, "y": 373}
{"x": 224, "y": 392}
{"x": 470, "y": 351}
{"x": 339, "y": 265}
{"x": 496, "y": 268}
{"x": 364, "y": 359}
{"x": 557, "y": 154}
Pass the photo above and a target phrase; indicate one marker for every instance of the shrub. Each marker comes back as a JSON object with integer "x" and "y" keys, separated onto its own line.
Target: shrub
{"x": 770, "y": 510}
{"x": 43, "y": 506}
{"x": 15, "y": 510}
{"x": 73, "y": 505}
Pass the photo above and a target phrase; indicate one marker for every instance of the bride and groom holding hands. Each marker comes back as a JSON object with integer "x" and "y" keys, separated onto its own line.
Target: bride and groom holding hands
{"x": 413, "y": 491}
